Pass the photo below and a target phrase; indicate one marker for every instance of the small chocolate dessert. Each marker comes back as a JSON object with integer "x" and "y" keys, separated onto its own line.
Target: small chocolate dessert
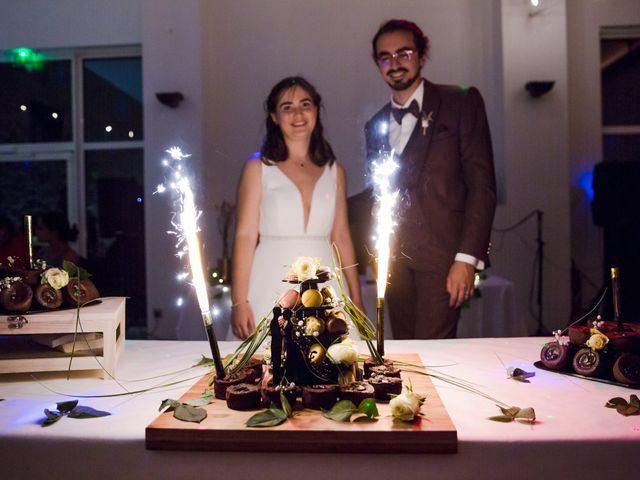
{"x": 386, "y": 370}
{"x": 337, "y": 326}
{"x": 220, "y": 385}
{"x": 555, "y": 356}
{"x": 243, "y": 396}
{"x": 320, "y": 397}
{"x": 253, "y": 368}
{"x": 356, "y": 392}
{"x": 16, "y": 296}
{"x": 87, "y": 292}
{"x": 370, "y": 362}
{"x": 627, "y": 369}
{"x": 48, "y": 297}
{"x": 384, "y": 386}
{"x": 270, "y": 395}
{"x": 589, "y": 363}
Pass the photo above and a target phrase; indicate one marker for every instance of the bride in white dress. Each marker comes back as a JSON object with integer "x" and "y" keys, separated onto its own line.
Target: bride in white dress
{"x": 290, "y": 204}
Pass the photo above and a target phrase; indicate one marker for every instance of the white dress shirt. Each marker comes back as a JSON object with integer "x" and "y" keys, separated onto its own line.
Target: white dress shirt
{"x": 399, "y": 134}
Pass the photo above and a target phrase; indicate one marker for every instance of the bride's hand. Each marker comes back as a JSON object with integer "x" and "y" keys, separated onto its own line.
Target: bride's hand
{"x": 242, "y": 324}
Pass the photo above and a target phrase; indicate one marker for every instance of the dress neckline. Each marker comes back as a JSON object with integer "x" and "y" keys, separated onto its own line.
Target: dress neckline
{"x": 305, "y": 221}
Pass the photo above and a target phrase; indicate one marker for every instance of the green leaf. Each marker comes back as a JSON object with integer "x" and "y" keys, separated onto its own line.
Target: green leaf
{"x": 634, "y": 401}
{"x": 66, "y": 407}
{"x": 168, "y": 402}
{"x": 204, "y": 362}
{"x": 52, "y": 417}
{"x": 74, "y": 271}
{"x": 510, "y": 412}
{"x": 341, "y": 411}
{"x": 368, "y": 407}
{"x": 614, "y": 402}
{"x": 364, "y": 419}
{"x": 87, "y": 412}
{"x": 205, "y": 399}
{"x": 187, "y": 413}
{"x": 527, "y": 413}
{"x": 286, "y": 406}
{"x": 502, "y": 418}
{"x": 267, "y": 418}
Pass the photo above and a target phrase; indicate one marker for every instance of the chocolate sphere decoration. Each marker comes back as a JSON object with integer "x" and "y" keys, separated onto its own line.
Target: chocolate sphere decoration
{"x": 289, "y": 299}
{"x": 317, "y": 353}
{"x": 312, "y": 298}
{"x": 338, "y": 314}
{"x": 313, "y": 326}
{"x": 337, "y": 326}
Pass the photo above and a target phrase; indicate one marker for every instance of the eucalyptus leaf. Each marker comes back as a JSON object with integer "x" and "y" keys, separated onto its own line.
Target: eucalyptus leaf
{"x": 633, "y": 400}
{"x": 204, "y": 362}
{"x": 205, "y": 399}
{"x": 510, "y": 412}
{"x": 187, "y": 413}
{"x": 368, "y": 407}
{"x": 341, "y": 411}
{"x": 527, "y": 413}
{"x": 627, "y": 410}
{"x": 52, "y": 417}
{"x": 364, "y": 419}
{"x": 286, "y": 406}
{"x": 66, "y": 407}
{"x": 267, "y": 418}
{"x": 168, "y": 402}
{"x": 87, "y": 412}
{"x": 614, "y": 402}
{"x": 502, "y": 418}
{"x": 75, "y": 271}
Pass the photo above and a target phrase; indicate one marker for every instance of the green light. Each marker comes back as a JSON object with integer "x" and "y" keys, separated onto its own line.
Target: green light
{"x": 26, "y": 58}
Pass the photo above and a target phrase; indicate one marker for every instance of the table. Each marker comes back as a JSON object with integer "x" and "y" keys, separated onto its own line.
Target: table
{"x": 575, "y": 437}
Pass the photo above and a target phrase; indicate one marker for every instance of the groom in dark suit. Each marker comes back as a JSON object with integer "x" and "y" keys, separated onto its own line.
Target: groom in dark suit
{"x": 446, "y": 180}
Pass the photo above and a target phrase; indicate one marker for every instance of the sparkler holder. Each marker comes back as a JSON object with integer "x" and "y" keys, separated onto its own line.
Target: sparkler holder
{"x": 380, "y": 326}
{"x": 213, "y": 344}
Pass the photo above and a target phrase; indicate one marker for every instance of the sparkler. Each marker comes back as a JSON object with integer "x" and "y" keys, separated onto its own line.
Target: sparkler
{"x": 187, "y": 232}
{"x": 382, "y": 172}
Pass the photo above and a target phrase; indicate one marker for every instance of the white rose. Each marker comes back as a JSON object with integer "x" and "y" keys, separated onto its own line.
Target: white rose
{"x": 305, "y": 268}
{"x": 56, "y": 278}
{"x": 345, "y": 353}
{"x": 405, "y": 406}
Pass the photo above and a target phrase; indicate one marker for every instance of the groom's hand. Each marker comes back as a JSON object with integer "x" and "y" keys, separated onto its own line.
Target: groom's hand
{"x": 460, "y": 283}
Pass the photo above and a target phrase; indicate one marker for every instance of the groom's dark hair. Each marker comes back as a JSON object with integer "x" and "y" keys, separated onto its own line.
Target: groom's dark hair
{"x": 274, "y": 148}
{"x": 419, "y": 38}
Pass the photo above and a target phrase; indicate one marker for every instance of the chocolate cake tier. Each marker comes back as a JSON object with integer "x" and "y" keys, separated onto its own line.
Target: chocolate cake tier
{"x": 370, "y": 362}
{"x": 243, "y": 396}
{"x": 220, "y": 385}
{"x": 87, "y": 291}
{"x": 622, "y": 338}
{"x": 626, "y": 369}
{"x": 386, "y": 370}
{"x": 385, "y": 386}
{"x": 270, "y": 395}
{"x": 589, "y": 363}
{"x": 555, "y": 356}
{"x": 356, "y": 392}
{"x": 253, "y": 369}
{"x": 320, "y": 397}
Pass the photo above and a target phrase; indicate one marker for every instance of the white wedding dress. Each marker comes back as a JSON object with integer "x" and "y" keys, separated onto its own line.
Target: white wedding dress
{"x": 283, "y": 237}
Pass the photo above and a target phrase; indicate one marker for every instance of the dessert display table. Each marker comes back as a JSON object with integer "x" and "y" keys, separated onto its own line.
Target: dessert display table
{"x": 575, "y": 436}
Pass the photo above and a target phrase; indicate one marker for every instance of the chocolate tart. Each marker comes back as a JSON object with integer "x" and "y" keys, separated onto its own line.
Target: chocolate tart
{"x": 87, "y": 292}
{"x": 589, "y": 363}
{"x": 356, "y": 392}
{"x": 385, "y": 386}
{"x": 220, "y": 385}
{"x": 16, "y": 297}
{"x": 253, "y": 369}
{"x": 555, "y": 356}
{"x": 48, "y": 297}
{"x": 270, "y": 395}
{"x": 386, "y": 370}
{"x": 243, "y": 396}
{"x": 320, "y": 397}
{"x": 626, "y": 369}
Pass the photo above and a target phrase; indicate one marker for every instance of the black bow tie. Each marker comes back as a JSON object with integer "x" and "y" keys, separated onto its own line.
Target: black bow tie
{"x": 399, "y": 113}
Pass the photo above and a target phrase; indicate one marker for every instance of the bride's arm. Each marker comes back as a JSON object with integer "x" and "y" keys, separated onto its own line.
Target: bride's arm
{"x": 341, "y": 236}
{"x": 244, "y": 246}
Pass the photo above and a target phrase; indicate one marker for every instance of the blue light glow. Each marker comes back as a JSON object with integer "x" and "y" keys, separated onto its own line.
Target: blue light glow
{"x": 585, "y": 181}
{"x": 139, "y": 199}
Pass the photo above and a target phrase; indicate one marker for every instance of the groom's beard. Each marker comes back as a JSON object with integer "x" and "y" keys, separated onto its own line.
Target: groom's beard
{"x": 401, "y": 84}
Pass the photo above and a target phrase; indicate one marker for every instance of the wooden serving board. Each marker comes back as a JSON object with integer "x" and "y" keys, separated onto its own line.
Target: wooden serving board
{"x": 308, "y": 431}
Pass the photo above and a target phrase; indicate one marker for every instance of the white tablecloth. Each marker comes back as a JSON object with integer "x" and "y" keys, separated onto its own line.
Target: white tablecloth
{"x": 575, "y": 436}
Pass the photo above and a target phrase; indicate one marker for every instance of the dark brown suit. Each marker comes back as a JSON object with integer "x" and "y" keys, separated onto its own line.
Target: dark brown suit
{"x": 447, "y": 204}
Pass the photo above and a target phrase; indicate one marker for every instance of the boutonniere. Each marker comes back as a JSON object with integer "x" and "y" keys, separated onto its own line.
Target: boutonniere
{"x": 426, "y": 121}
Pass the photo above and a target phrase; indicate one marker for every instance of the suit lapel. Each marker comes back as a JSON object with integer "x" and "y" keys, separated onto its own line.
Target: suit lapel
{"x": 418, "y": 146}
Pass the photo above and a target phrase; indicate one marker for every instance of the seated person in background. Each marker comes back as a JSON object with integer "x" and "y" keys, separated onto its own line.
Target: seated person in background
{"x": 12, "y": 244}
{"x": 53, "y": 229}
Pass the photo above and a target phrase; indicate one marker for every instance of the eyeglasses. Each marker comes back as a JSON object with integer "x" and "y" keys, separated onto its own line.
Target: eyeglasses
{"x": 403, "y": 56}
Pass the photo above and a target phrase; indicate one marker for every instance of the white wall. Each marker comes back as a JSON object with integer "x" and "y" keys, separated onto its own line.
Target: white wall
{"x": 585, "y": 17}
{"x": 224, "y": 56}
